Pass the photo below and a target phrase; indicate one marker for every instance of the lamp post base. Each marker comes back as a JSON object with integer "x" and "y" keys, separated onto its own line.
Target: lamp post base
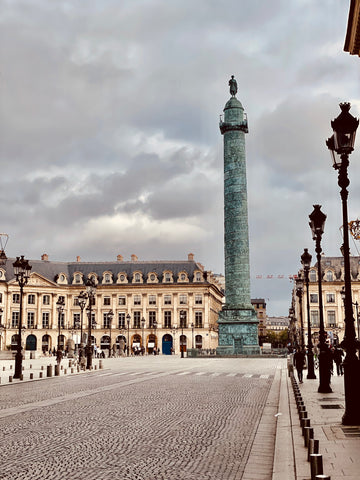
{"x": 18, "y": 365}
{"x": 324, "y": 371}
{"x": 311, "y": 373}
{"x": 352, "y": 391}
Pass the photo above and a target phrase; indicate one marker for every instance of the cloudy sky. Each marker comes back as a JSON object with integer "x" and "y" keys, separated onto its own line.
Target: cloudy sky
{"x": 110, "y": 142}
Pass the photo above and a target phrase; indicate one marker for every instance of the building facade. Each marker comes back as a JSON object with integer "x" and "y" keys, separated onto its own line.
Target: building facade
{"x": 156, "y": 305}
{"x": 332, "y": 269}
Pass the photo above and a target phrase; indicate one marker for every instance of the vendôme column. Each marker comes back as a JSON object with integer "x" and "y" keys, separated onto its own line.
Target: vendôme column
{"x": 238, "y": 324}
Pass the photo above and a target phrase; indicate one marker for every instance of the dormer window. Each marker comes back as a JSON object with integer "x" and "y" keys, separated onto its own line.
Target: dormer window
{"x": 198, "y": 277}
{"x": 152, "y": 278}
{"x": 137, "y": 277}
{"x": 122, "y": 278}
{"x": 107, "y": 278}
{"x": 167, "y": 277}
{"x": 329, "y": 276}
{"x": 312, "y": 276}
{"x": 183, "y": 277}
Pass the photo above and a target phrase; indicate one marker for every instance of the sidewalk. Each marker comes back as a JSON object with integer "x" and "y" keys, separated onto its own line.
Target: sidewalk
{"x": 338, "y": 445}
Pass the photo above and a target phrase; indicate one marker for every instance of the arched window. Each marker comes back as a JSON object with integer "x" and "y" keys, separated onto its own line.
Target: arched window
{"x": 329, "y": 276}
{"x": 198, "y": 341}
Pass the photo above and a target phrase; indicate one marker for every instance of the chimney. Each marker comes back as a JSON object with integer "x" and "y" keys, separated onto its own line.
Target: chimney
{"x": 119, "y": 258}
{"x": 134, "y": 258}
{"x": 45, "y": 257}
{"x": 190, "y": 257}
{"x": 78, "y": 258}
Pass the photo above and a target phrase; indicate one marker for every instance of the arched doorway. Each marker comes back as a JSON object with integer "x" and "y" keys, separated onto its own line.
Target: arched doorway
{"x": 45, "y": 343}
{"x": 105, "y": 342}
{"x": 167, "y": 343}
{"x": 183, "y": 341}
{"x": 198, "y": 341}
{"x": 31, "y": 342}
{"x": 151, "y": 345}
{"x": 136, "y": 344}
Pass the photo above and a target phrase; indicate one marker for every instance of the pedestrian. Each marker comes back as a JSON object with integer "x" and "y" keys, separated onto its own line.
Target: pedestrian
{"x": 338, "y": 354}
{"x": 299, "y": 361}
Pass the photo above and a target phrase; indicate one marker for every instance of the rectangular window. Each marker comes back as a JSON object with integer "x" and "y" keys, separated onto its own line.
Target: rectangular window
{"x": 31, "y": 299}
{"x": 30, "y": 320}
{"x": 122, "y": 300}
{"x": 137, "y": 299}
{"x": 313, "y": 298}
{"x": 331, "y": 318}
{"x": 167, "y": 299}
{"x": 198, "y": 299}
{"x": 61, "y": 298}
{"x": 46, "y": 299}
{"x": 107, "y": 300}
{"x": 152, "y": 319}
{"x": 314, "y": 318}
{"x": 183, "y": 299}
{"x": 16, "y": 297}
{"x": 77, "y": 320}
{"x": 183, "y": 319}
{"x": 93, "y": 320}
{"x": 106, "y": 320}
{"x": 121, "y": 319}
{"x": 137, "y": 317}
{"x": 167, "y": 319}
{"x": 0, "y": 297}
{"x": 45, "y": 320}
{"x": 76, "y": 301}
{"x": 152, "y": 299}
{"x": 15, "y": 319}
{"x": 198, "y": 319}
{"x": 330, "y": 297}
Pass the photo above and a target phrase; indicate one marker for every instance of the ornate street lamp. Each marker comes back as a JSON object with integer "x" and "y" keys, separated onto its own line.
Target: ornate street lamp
{"x": 299, "y": 286}
{"x": 110, "y": 316}
{"x": 341, "y": 144}
{"x": 22, "y": 270}
{"x": 143, "y": 321}
{"x": 60, "y": 304}
{"x": 192, "y": 335}
{"x": 306, "y": 263}
{"x": 182, "y": 321}
{"x": 90, "y": 292}
{"x": 317, "y": 225}
{"x": 82, "y": 304}
{"x": 128, "y": 318}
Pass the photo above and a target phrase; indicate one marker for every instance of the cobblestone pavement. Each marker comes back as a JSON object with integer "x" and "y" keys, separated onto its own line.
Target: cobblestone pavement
{"x": 140, "y": 418}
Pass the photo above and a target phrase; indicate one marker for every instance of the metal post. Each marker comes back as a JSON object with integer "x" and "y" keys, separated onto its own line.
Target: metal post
{"x": 306, "y": 261}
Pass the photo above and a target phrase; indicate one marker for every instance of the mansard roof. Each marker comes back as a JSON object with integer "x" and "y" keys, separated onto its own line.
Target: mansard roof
{"x": 337, "y": 264}
{"x": 51, "y": 270}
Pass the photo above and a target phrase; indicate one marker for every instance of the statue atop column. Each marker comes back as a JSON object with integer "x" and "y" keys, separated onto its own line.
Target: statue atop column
{"x": 233, "y": 86}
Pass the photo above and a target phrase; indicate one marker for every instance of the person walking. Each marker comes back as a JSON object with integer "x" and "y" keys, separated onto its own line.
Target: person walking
{"x": 338, "y": 354}
{"x": 299, "y": 361}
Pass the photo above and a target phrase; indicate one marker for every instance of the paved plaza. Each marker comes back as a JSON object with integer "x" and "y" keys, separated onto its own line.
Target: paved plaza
{"x": 140, "y": 418}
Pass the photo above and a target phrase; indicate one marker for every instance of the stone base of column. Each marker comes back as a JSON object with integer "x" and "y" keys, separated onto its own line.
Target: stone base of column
{"x": 238, "y": 332}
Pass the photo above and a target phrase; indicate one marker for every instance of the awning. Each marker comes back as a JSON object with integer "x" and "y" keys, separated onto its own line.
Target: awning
{"x": 151, "y": 345}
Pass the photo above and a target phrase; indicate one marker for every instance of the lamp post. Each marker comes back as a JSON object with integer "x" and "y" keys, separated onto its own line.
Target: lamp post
{"x": 110, "y": 316}
{"x": 22, "y": 270}
{"x": 182, "y": 321}
{"x": 306, "y": 262}
{"x": 317, "y": 224}
{"x": 299, "y": 293}
{"x": 128, "y": 318}
{"x": 82, "y": 305}
{"x": 341, "y": 144}
{"x": 90, "y": 292}
{"x": 143, "y": 322}
{"x": 174, "y": 333}
{"x": 192, "y": 335}
{"x": 60, "y": 304}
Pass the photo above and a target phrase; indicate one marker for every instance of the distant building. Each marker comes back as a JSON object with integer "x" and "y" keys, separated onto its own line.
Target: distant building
{"x": 277, "y": 324}
{"x": 167, "y": 303}
{"x": 332, "y": 269}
